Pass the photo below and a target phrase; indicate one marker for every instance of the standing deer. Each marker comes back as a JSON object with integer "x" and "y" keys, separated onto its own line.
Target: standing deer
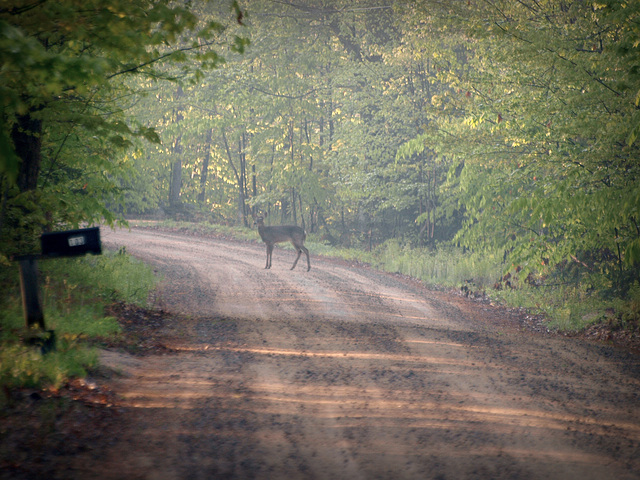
{"x": 283, "y": 233}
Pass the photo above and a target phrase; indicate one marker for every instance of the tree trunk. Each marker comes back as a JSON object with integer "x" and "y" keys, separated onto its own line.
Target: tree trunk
{"x": 242, "y": 206}
{"x": 176, "y": 173}
{"x": 239, "y": 180}
{"x": 176, "y": 167}
{"x": 27, "y": 140}
{"x": 293, "y": 206}
{"x": 202, "y": 195}
{"x": 255, "y": 187}
{"x": 302, "y": 224}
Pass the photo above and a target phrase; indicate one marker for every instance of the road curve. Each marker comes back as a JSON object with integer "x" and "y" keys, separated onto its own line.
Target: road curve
{"x": 346, "y": 373}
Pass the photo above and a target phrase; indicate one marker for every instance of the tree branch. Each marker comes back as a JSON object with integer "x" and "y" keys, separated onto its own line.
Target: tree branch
{"x": 281, "y": 95}
{"x": 157, "y": 59}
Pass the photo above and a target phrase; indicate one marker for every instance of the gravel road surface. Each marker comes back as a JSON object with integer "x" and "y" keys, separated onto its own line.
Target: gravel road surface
{"x": 347, "y": 373}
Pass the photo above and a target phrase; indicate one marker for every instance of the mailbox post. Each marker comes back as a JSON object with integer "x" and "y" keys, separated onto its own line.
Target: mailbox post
{"x": 70, "y": 243}
{"x": 31, "y": 302}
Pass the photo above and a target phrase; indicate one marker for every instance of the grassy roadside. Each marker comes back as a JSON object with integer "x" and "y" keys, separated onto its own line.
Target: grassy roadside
{"x": 49, "y": 410}
{"x": 75, "y": 294}
{"x": 570, "y": 303}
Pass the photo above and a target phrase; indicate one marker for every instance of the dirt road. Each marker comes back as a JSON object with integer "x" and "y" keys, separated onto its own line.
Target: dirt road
{"x": 346, "y": 373}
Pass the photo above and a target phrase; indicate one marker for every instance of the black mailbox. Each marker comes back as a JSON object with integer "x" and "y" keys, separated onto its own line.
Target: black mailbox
{"x": 71, "y": 243}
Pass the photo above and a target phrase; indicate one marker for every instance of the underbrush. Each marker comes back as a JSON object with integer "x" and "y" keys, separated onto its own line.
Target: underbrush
{"x": 567, "y": 308}
{"x": 75, "y": 293}
{"x": 447, "y": 266}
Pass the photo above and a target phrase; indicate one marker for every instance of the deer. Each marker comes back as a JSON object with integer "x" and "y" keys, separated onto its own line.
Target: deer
{"x": 282, "y": 233}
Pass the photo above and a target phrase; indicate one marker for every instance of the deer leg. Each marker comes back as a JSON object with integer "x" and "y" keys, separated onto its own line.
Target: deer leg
{"x": 297, "y": 258}
{"x": 306, "y": 252}
{"x": 269, "y": 253}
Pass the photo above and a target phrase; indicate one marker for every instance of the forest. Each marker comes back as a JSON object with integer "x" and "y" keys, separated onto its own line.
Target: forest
{"x": 494, "y": 127}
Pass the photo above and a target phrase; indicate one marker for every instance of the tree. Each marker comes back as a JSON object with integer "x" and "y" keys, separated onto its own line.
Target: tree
{"x": 540, "y": 117}
{"x": 64, "y": 65}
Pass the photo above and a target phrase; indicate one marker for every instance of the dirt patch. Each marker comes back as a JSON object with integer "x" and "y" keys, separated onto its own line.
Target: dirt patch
{"x": 344, "y": 372}
{"x": 145, "y": 331}
{"x": 41, "y": 430}
{"x": 611, "y": 335}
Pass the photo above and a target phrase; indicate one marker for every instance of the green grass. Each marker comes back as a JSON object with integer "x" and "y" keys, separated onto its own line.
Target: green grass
{"x": 24, "y": 366}
{"x": 75, "y": 293}
{"x": 205, "y": 228}
{"x": 446, "y": 266}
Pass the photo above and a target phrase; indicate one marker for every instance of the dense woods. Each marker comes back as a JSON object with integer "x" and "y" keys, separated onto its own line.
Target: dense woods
{"x": 500, "y": 126}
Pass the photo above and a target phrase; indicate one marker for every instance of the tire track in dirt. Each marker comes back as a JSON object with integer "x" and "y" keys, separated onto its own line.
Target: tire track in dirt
{"x": 343, "y": 372}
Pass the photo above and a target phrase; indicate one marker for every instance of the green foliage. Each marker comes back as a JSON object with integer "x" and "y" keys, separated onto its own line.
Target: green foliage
{"x": 537, "y": 115}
